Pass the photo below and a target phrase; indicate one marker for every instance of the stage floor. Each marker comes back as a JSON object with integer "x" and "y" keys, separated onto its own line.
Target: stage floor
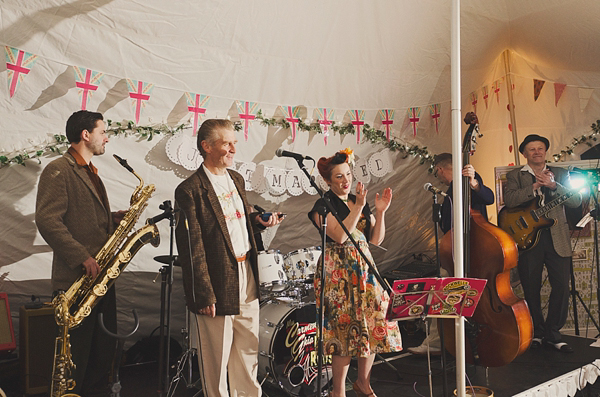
{"x": 409, "y": 375}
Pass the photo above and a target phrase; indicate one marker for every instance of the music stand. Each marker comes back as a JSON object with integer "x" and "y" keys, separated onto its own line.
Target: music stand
{"x": 448, "y": 297}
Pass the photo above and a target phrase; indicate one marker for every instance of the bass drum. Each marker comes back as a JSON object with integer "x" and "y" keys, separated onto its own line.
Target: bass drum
{"x": 288, "y": 354}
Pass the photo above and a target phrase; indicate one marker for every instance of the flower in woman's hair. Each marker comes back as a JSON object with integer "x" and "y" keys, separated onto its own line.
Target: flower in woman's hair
{"x": 349, "y": 155}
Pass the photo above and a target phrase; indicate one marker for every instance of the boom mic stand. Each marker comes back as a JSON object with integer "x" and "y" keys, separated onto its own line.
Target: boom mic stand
{"x": 437, "y": 218}
{"x": 165, "y": 300}
{"x": 372, "y": 269}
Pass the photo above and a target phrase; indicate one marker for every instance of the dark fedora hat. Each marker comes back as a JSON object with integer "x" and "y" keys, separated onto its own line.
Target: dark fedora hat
{"x": 533, "y": 138}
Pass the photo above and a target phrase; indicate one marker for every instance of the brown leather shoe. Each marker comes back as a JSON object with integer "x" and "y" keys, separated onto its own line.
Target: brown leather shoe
{"x": 359, "y": 393}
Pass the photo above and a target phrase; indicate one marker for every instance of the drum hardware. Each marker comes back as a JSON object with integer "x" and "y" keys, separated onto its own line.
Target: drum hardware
{"x": 185, "y": 360}
{"x": 300, "y": 265}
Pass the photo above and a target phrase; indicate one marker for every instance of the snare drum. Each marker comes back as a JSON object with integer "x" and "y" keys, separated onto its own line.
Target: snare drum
{"x": 288, "y": 354}
{"x": 271, "y": 276}
{"x": 301, "y": 265}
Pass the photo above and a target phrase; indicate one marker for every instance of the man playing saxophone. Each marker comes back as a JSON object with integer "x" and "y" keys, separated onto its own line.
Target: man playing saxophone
{"x": 73, "y": 216}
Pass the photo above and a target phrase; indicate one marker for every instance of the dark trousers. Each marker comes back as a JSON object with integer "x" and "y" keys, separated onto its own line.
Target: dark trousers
{"x": 92, "y": 349}
{"x": 531, "y": 265}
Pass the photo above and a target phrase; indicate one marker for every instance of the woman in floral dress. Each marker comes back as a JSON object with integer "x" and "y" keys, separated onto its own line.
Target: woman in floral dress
{"x": 355, "y": 304}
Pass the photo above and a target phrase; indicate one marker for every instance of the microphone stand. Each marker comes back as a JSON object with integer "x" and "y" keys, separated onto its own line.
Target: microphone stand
{"x": 165, "y": 302}
{"x": 372, "y": 269}
{"x": 437, "y": 219}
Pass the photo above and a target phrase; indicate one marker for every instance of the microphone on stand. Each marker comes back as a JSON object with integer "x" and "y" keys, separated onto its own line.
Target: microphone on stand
{"x": 299, "y": 157}
{"x": 430, "y": 188}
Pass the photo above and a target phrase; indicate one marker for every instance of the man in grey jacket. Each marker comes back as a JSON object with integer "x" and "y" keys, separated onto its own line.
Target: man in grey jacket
{"x": 73, "y": 216}
{"x": 553, "y": 248}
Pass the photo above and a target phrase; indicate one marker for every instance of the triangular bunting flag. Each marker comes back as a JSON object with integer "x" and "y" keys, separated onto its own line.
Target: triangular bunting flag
{"x": 197, "y": 105}
{"x": 414, "y": 115}
{"x": 87, "y": 80}
{"x": 247, "y": 112}
{"x": 325, "y": 119}
{"x": 537, "y": 88}
{"x": 435, "y": 115}
{"x": 358, "y": 120}
{"x": 139, "y": 92}
{"x": 559, "y": 88}
{"x": 387, "y": 120}
{"x": 473, "y": 97}
{"x": 18, "y": 64}
{"x": 291, "y": 116}
{"x": 584, "y": 97}
{"x": 496, "y": 90}
{"x": 485, "y": 94}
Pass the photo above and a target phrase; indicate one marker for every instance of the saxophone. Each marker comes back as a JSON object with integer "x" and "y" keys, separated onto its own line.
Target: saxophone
{"x": 74, "y": 305}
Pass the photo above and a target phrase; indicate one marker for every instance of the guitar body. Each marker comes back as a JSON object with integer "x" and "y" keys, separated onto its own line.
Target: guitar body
{"x": 523, "y": 225}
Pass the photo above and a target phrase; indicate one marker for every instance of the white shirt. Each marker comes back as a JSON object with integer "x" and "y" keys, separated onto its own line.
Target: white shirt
{"x": 233, "y": 209}
{"x": 537, "y": 192}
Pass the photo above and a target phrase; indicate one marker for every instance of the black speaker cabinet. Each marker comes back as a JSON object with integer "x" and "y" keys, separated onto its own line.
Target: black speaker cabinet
{"x": 37, "y": 333}
{"x": 7, "y": 334}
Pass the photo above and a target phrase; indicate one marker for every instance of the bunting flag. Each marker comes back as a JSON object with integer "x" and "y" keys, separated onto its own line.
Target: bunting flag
{"x": 496, "y": 89}
{"x": 197, "y": 105}
{"x": 559, "y": 88}
{"x": 291, "y": 116}
{"x": 387, "y": 119}
{"x": 358, "y": 120}
{"x": 584, "y": 97}
{"x": 435, "y": 115}
{"x": 485, "y": 92}
{"x": 325, "y": 119}
{"x": 247, "y": 112}
{"x": 18, "y": 64}
{"x": 473, "y": 97}
{"x": 414, "y": 115}
{"x": 87, "y": 80}
{"x": 139, "y": 92}
{"x": 537, "y": 88}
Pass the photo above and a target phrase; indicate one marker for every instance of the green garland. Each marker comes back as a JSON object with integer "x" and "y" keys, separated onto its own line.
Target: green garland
{"x": 61, "y": 143}
{"x": 587, "y": 139}
{"x": 371, "y": 134}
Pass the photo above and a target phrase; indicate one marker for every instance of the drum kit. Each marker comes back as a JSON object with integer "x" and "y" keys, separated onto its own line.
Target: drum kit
{"x": 287, "y": 331}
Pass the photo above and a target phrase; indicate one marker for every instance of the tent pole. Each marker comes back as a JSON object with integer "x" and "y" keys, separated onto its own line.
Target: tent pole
{"x": 511, "y": 105}
{"x": 457, "y": 190}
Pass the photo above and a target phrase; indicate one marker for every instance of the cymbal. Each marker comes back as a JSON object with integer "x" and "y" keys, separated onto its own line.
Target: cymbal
{"x": 166, "y": 258}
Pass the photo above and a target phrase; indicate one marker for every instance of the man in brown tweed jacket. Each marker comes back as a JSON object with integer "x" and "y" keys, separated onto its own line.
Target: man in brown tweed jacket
{"x": 554, "y": 246}
{"x": 73, "y": 216}
{"x": 218, "y": 255}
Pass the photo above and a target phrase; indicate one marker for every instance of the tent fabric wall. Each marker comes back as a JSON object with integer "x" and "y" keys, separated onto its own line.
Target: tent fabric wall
{"x": 341, "y": 55}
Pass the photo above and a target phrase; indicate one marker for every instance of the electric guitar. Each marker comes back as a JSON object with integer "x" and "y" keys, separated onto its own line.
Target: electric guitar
{"x": 524, "y": 223}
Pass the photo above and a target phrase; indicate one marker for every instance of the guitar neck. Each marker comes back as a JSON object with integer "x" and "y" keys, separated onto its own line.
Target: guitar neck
{"x": 542, "y": 211}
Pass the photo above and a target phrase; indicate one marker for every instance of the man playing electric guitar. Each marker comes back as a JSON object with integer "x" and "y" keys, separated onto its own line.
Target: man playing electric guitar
{"x": 537, "y": 181}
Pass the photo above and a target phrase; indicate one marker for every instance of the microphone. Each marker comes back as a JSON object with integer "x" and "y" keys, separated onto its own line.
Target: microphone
{"x": 284, "y": 153}
{"x": 430, "y": 188}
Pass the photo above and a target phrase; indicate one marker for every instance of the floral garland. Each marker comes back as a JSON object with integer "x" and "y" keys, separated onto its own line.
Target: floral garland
{"x": 61, "y": 143}
{"x": 587, "y": 139}
{"x": 371, "y": 134}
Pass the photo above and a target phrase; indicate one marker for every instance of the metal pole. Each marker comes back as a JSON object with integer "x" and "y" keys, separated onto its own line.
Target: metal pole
{"x": 457, "y": 210}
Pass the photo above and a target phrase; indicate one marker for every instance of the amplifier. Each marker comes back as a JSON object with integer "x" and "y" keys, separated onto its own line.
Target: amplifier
{"x": 412, "y": 270}
{"x": 37, "y": 334}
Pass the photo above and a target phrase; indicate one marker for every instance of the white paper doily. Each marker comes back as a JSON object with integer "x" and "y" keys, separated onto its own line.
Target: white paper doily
{"x": 293, "y": 182}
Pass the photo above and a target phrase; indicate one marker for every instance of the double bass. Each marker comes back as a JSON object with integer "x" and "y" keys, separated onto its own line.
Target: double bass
{"x": 501, "y": 327}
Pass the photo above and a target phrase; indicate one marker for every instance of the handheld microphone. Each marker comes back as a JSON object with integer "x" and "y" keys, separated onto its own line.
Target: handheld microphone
{"x": 430, "y": 188}
{"x": 284, "y": 153}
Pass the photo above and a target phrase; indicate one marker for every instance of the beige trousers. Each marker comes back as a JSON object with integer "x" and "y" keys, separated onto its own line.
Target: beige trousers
{"x": 228, "y": 345}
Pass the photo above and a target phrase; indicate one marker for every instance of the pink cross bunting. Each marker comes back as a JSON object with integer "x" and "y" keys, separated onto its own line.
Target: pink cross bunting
{"x": 485, "y": 96}
{"x": 197, "y": 110}
{"x": 325, "y": 123}
{"x": 357, "y": 123}
{"x": 86, "y": 86}
{"x": 474, "y": 101}
{"x": 292, "y": 120}
{"x": 139, "y": 96}
{"x": 435, "y": 115}
{"x": 497, "y": 91}
{"x": 17, "y": 68}
{"x": 387, "y": 123}
{"x": 414, "y": 119}
{"x": 247, "y": 117}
